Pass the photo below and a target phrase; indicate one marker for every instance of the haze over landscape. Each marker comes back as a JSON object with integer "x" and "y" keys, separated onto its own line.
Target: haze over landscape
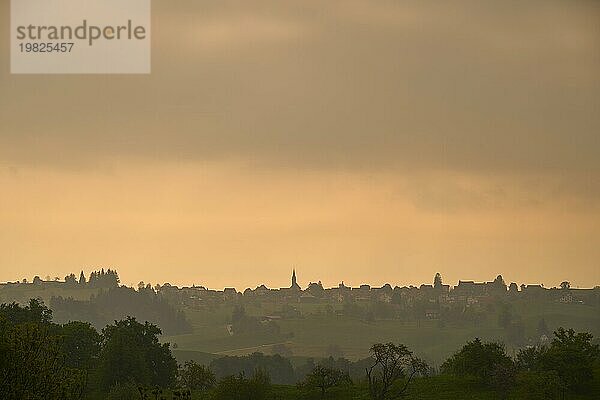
{"x": 304, "y": 200}
{"x": 369, "y": 142}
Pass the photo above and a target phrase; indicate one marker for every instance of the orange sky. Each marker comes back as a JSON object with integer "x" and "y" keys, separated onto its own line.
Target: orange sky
{"x": 357, "y": 141}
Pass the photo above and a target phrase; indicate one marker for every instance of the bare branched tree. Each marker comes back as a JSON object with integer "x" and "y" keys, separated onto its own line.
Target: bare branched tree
{"x": 394, "y": 367}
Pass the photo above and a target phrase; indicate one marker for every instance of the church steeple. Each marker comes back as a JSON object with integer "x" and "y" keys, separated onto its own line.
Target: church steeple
{"x": 294, "y": 281}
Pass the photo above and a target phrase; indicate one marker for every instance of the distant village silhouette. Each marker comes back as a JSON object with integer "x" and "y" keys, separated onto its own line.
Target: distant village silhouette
{"x": 467, "y": 292}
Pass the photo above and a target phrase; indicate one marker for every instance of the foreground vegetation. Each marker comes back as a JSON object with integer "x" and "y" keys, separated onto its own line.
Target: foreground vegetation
{"x": 40, "y": 359}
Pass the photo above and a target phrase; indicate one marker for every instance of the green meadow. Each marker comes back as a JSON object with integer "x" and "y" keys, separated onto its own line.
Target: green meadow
{"x": 315, "y": 333}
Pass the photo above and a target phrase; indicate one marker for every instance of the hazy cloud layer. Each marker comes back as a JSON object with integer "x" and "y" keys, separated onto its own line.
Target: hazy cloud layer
{"x": 351, "y": 84}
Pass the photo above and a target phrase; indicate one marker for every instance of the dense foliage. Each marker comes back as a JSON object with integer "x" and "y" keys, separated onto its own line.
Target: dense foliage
{"x": 43, "y": 360}
{"x": 238, "y": 387}
{"x": 131, "y": 350}
{"x": 279, "y": 369}
{"x": 33, "y": 359}
{"x": 196, "y": 377}
{"x": 568, "y": 360}
{"x": 119, "y": 302}
{"x": 40, "y": 359}
{"x": 478, "y": 359}
{"x": 544, "y": 372}
{"x": 323, "y": 378}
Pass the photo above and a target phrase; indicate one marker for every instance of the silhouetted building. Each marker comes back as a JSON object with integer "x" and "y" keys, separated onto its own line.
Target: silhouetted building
{"x": 295, "y": 285}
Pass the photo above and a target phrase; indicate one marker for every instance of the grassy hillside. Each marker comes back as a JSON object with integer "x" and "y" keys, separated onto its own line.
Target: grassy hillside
{"x": 311, "y": 335}
{"x": 321, "y": 327}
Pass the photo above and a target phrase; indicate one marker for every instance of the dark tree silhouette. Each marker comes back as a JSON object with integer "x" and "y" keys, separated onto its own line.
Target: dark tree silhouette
{"x": 437, "y": 281}
{"x": 479, "y": 360}
{"x": 71, "y": 280}
{"x": 117, "y": 303}
{"x": 131, "y": 350}
{"x": 196, "y": 377}
{"x": 279, "y": 369}
{"x": 571, "y": 355}
{"x": 80, "y": 343}
{"x": 82, "y": 280}
{"x": 324, "y": 378}
{"x": 102, "y": 279}
{"x": 32, "y": 360}
{"x": 239, "y": 387}
{"x": 391, "y": 364}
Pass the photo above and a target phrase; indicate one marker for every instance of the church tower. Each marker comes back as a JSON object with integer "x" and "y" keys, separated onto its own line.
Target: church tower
{"x": 294, "y": 281}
